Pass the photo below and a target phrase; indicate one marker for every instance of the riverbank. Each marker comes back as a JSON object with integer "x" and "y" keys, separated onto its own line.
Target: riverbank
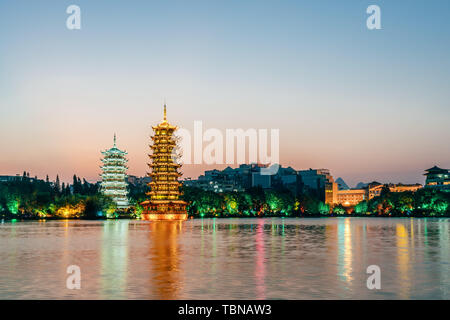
{"x": 40, "y": 200}
{"x": 125, "y": 217}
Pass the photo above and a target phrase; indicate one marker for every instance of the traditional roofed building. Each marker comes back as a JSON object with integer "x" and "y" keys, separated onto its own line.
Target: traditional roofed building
{"x": 437, "y": 178}
{"x": 114, "y": 174}
{"x": 164, "y": 202}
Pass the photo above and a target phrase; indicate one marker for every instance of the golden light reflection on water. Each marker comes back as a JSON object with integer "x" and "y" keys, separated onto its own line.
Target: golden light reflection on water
{"x": 403, "y": 259}
{"x": 345, "y": 251}
{"x": 165, "y": 254}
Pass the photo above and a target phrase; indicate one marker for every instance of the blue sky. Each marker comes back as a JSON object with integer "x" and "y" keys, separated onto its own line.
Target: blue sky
{"x": 368, "y": 105}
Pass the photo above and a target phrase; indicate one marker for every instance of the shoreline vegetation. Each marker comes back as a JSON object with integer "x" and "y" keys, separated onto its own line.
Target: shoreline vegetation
{"x": 32, "y": 199}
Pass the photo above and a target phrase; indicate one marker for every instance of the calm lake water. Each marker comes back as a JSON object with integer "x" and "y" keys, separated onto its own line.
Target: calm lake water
{"x": 227, "y": 259}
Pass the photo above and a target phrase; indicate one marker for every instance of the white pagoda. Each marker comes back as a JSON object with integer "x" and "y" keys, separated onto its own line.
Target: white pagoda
{"x": 114, "y": 176}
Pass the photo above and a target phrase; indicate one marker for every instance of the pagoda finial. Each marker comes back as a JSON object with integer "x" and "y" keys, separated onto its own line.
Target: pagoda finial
{"x": 165, "y": 112}
{"x": 114, "y": 139}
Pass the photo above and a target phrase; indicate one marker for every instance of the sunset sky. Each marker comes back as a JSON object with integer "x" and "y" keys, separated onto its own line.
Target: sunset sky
{"x": 366, "y": 104}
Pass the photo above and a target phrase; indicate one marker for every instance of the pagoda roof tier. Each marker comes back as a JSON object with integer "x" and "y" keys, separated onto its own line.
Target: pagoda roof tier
{"x": 164, "y": 201}
{"x": 162, "y": 137}
{"x": 170, "y": 164}
{"x": 163, "y": 173}
{"x": 109, "y": 166}
{"x": 436, "y": 169}
{"x": 113, "y": 173}
{"x": 164, "y": 191}
{"x": 114, "y": 151}
{"x": 113, "y": 177}
{"x": 119, "y": 160}
{"x": 165, "y": 125}
{"x": 113, "y": 170}
{"x": 114, "y": 155}
{"x": 162, "y": 163}
{"x": 162, "y": 150}
{"x": 162, "y": 146}
{"x": 157, "y": 162}
{"x": 157, "y": 177}
{"x": 118, "y": 193}
{"x": 151, "y": 193}
{"x": 164, "y": 182}
{"x": 160, "y": 154}
{"x": 112, "y": 185}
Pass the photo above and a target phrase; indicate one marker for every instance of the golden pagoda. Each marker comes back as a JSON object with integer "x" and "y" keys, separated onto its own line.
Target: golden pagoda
{"x": 164, "y": 202}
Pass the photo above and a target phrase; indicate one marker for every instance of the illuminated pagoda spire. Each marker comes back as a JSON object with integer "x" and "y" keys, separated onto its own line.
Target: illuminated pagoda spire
{"x": 164, "y": 198}
{"x": 114, "y": 175}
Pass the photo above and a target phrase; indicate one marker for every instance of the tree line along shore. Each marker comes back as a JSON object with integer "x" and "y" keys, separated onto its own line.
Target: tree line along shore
{"x": 38, "y": 199}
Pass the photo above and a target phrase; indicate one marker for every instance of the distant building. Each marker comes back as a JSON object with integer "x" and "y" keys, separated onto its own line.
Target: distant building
{"x": 351, "y": 197}
{"x": 404, "y": 187}
{"x": 10, "y": 178}
{"x": 437, "y": 178}
{"x": 371, "y": 190}
{"x": 263, "y": 181}
{"x": 320, "y": 181}
{"x": 331, "y": 191}
{"x": 246, "y": 176}
{"x": 18, "y": 177}
{"x": 227, "y": 180}
{"x": 374, "y": 188}
{"x": 315, "y": 179}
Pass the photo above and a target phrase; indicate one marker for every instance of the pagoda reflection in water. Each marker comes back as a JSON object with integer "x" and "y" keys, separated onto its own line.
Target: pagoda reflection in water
{"x": 166, "y": 280}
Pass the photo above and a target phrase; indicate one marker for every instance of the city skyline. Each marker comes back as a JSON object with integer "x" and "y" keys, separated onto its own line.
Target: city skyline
{"x": 367, "y": 105}
{"x": 220, "y": 168}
